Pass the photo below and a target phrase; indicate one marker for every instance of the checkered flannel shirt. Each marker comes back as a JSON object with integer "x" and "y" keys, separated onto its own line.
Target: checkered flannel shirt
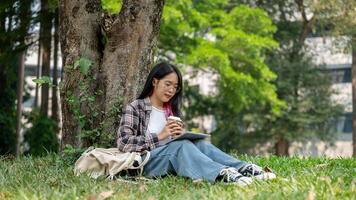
{"x": 131, "y": 135}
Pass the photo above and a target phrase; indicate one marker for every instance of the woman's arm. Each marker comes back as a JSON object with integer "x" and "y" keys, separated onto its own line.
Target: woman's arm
{"x": 127, "y": 138}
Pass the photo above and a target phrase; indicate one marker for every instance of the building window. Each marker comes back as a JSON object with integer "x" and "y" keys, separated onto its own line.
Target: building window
{"x": 347, "y": 128}
{"x": 342, "y": 75}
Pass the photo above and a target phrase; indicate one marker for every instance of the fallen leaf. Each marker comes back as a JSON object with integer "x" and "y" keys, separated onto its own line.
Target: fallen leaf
{"x": 101, "y": 196}
{"x": 322, "y": 165}
{"x": 267, "y": 169}
{"x": 92, "y": 197}
{"x": 143, "y": 188}
{"x": 142, "y": 178}
{"x": 5, "y": 195}
{"x": 310, "y": 196}
{"x": 105, "y": 195}
{"x": 198, "y": 181}
{"x": 325, "y": 178}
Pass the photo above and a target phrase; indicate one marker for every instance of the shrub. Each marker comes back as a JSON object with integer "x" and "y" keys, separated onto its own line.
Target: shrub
{"x": 41, "y": 137}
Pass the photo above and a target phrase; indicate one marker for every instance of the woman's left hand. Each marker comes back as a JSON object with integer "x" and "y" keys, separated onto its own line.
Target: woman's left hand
{"x": 177, "y": 130}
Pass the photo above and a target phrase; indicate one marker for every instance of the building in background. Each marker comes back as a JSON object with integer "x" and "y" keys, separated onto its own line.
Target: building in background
{"x": 329, "y": 53}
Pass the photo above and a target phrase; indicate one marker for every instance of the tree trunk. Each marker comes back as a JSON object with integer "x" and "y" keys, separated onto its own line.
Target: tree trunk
{"x": 25, "y": 11}
{"x": 12, "y": 51}
{"x": 20, "y": 79}
{"x": 45, "y": 35}
{"x": 282, "y": 147}
{"x": 2, "y": 22}
{"x": 118, "y": 67}
{"x": 80, "y": 38}
{"x": 10, "y": 17}
{"x": 128, "y": 55}
{"x": 353, "y": 72}
{"x": 55, "y": 114}
{"x": 307, "y": 23}
{"x": 38, "y": 72}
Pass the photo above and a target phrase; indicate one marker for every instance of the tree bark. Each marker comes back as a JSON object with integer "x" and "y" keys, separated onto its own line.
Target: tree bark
{"x": 20, "y": 83}
{"x": 79, "y": 37}
{"x": 2, "y": 22}
{"x": 119, "y": 67}
{"x": 128, "y": 55}
{"x": 38, "y": 69}
{"x": 24, "y": 20}
{"x": 45, "y": 35}
{"x": 10, "y": 17}
{"x": 353, "y": 72}
{"x": 307, "y": 23}
{"x": 38, "y": 72}
{"x": 282, "y": 147}
{"x": 55, "y": 114}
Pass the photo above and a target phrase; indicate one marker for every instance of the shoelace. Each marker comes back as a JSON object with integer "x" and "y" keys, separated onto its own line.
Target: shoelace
{"x": 231, "y": 173}
{"x": 251, "y": 169}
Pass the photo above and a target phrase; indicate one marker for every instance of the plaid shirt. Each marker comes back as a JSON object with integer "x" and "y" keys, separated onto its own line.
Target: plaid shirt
{"x": 132, "y": 136}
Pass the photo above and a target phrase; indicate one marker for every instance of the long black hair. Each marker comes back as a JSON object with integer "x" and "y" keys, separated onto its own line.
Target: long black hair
{"x": 159, "y": 71}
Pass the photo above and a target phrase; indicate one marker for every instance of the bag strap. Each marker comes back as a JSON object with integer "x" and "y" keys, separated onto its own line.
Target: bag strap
{"x": 143, "y": 163}
{"x": 148, "y": 154}
{"x": 88, "y": 150}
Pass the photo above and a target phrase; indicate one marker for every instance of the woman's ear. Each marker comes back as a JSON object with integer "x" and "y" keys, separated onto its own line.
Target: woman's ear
{"x": 154, "y": 82}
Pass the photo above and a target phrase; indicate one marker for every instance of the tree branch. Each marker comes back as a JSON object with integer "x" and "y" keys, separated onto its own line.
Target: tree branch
{"x": 307, "y": 23}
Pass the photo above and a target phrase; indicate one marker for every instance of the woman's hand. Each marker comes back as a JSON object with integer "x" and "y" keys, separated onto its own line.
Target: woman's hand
{"x": 178, "y": 130}
{"x": 172, "y": 128}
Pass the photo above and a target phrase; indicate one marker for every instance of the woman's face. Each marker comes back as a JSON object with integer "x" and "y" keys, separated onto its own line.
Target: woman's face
{"x": 165, "y": 88}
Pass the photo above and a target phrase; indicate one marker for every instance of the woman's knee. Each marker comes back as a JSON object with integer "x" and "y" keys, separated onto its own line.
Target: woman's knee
{"x": 181, "y": 144}
{"x": 202, "y": 143}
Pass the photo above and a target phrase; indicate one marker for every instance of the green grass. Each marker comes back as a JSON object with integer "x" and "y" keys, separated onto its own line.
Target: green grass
{"x": 50, "y": 178}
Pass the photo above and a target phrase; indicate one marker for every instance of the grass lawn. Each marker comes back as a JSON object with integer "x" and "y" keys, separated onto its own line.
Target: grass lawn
{"x": 50, "y": 178}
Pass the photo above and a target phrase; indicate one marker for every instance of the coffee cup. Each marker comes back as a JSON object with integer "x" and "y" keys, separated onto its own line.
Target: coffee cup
{"x": 174, "y": 118}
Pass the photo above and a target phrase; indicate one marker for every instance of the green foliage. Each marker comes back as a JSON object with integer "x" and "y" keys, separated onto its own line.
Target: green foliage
{"x": 337, "y": 18}
{"x": 304, "y": 87}
{"x": 7, "y": 131}
{"x": 112, "y": 6}
{"x": 307, "y": 89}
{"x": 53, "y": 5}
{"x": 84, "y": 65}
{"x": 232, "y": 43}
{"x": 42, "y": 136}
{"x": 266, "y": 87}
{"x": 49, "y": 178}
{"x": 183, "y": 25}
{"x": 69, "y": 155}
{"x": 90, "y": 130}
{"x": 43, "y": 80}
{"x": 199, "y": 104}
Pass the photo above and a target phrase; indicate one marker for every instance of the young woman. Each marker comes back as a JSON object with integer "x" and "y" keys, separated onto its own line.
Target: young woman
{"x": 144, "y": 126}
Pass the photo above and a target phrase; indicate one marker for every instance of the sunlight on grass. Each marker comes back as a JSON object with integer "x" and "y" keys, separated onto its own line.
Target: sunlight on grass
{"x": 51, "y": 178}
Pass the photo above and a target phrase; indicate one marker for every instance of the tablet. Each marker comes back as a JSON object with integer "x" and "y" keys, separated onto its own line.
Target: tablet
{"x": 191, "y": 136}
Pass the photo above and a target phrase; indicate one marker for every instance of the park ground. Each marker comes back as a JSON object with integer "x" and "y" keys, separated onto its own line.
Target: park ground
{"x": 52, "y": 177}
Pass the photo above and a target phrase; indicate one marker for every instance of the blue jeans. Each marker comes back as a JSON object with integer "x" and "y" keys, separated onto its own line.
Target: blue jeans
{"x": 193, "y": 159}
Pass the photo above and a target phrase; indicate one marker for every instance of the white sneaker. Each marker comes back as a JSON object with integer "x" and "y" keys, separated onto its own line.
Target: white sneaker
{"x": 233, "y": 175}
{"x": 257, "y": 172}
